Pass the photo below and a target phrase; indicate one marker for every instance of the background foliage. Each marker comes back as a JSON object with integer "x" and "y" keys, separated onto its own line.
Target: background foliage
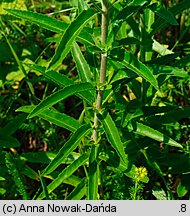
{"x": 51, "y": 81}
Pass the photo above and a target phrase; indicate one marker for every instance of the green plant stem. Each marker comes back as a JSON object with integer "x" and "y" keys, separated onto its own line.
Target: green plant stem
{"x": 104, "y": 30}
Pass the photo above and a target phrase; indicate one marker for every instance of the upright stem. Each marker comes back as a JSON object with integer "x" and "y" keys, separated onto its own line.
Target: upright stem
{"x": 104, "y": 30}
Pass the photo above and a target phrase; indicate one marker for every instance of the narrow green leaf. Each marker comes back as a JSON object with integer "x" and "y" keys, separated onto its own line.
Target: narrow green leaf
{"x": 59, "y": 96}
{"x": 38, "y": 157}
{"x": 164, "y": 60}
{"x": 130, "y": 9}
{"x": 50, "y": 24}
{"x": 145, "y": 130}
{"x": 93, "y": 174}
{"x": 8, "y": 141}
{"x": 72, "y": 180}
{"x": 172, "y": 117}
{"x": 112, "y": 135}
{"x": 54, "y": 76}
{"x": 44, "y": 186}
{"x": 69, "y": 36}
{"x": 85, "y": 38}
{"x": 82, "y": 66}
{"x": 63, "y": 81}
{"x": 163, "y": 13}
{"x": 176, "y": 9}
{"x": 29, "y": 172}
{"x": 57, "y": 118}
{"x": 78, "y": 192}
{"x": 42, "y": 20}
{"x": 68, "y": 147}
{"x": 13, "y": 125}
{"x": 140, "y": 2}
{"x": 65, "y": 174}
{"x": 138, "y": 67}
{"x": 60, "y": 119}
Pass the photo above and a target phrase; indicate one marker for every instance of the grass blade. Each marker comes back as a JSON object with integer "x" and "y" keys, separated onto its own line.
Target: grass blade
{"x": 65, "y": 174}
{"x": 68, "y": 147}
{"x": 69, "y": 37}
{"x": 58, "y": 96}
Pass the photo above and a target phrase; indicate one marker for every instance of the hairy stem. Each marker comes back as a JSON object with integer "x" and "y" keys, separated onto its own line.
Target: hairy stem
{"x": 104, "y": 30}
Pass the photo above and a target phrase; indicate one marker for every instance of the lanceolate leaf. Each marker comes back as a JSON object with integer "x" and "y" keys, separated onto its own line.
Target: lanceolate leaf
{"x": 63, "y": 81}
{"x": 70, "y": 35}
{"x": 29, "y": 172}
{"x": 50, "y": 24}
{"x": 130, "y": 9}
{"x": 58, "y": 96}
{"x": 113, "y": 135}
{"x": 44, "y": 186}
{"x": 13, "y": 125}
{"x": 57, "y": 118}
{"x": 65, "y": 174}
{"x": 54, "y": 76}
{"x": 176, "y": 9}
{"x": 163, "y": 13}
{"x": 42, "y": 20}
{"x": 145, "y": 130}
{"x": 138, "y": 67}
{"x": 93, "y": 174}
{"x": 68, "y": 147}
{"x": 82, "y": 66}
{"x": 79, "y": 191}
{"x": 8, "y": 141}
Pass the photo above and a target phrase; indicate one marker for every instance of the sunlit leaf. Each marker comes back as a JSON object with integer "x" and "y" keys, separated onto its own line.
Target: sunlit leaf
{"x": 138, "y": 67}
{"x": 145, "y": 130}
{"x": 58, "y": 96}
{"x": 82, "y": 66}
{"x": 63, "y": 81}
{"x": 69, "y": 36}
{"x": 112, "y": 135}
{"x": 57, "y": 118}
{"x": 68, "y": 147}
{"x": 65, "y": 174}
